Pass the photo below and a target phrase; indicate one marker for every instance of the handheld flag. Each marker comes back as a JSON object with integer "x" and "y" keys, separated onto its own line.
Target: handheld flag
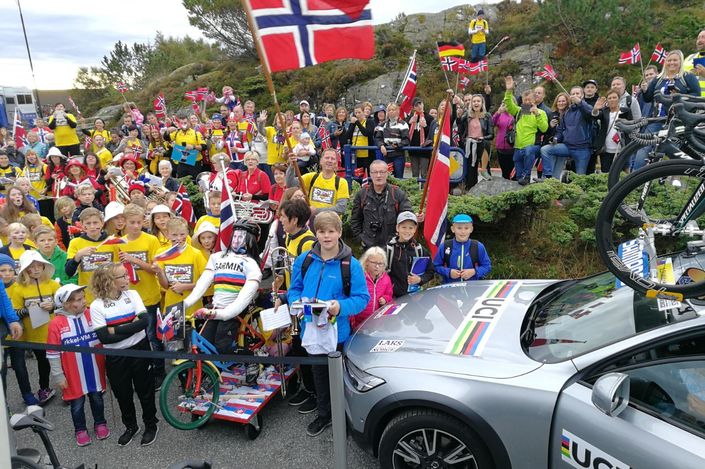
{"x": 165, "y": 327}
{"x": 464, "y": 82}
{"x": 113, "y": 241}
{"x": 659, "y": 55}
{"x": 160, "y": 106}
{"x": 227, "y": 215}
{"x": 121, "y": 87}
{"x": 131, "y": 273}
{"x": 449, "y": 64}
{"x": 631, "y": 57}
{"x": 18, "y": 131}
{"x": 438, "y": 187}
{"x": 75, "y": 107}
{"x": 450, "y": 49}
{"x": 182, "y": 206}
{"x": 408, "y": 89}
{"x": 201, "y": 94}
{"x": 324, "y": 134}
{"x": 191, "y": 95}
{"x": 88, "y": 143}
{"x": 171, "y": 253}
{"x": 296, "y": 34}
{"x": 547, "y": 73}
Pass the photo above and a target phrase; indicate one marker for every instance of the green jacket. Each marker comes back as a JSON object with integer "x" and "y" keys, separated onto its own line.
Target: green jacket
{"x": 527, "y": 124}
{"x": 58, "y": 260}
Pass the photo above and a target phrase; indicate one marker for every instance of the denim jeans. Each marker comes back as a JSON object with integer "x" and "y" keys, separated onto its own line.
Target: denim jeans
{"x": 554, "y": 157}
{"x": 524, "y": 160}
{"x": 478, "y": 52}
{"x": 639, "y": 160}
{"x": 156, "y": 344}
{"x": 19, "y": 366}
{"x": 398, "y": 161}
{"x": 79, "y": 416}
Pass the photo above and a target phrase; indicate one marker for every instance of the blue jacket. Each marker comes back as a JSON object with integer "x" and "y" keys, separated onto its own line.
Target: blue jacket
{"x": 324, "y": 282}
{"x": 460, "y": 257}
{"x": 7, "y": 312}
{"x": 686, "y": 84}
{"x": 575, "y": 129}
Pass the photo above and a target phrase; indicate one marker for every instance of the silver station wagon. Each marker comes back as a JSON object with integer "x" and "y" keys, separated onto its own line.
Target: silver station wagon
{"x": 530, "y": 374}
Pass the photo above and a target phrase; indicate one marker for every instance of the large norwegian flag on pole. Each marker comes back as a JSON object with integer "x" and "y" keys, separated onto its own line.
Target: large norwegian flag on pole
{"x": 227, "y": 215}
{"x": 18, "y": 131}
{"x": 408, "y": 89}
{"x": 299, "y": 33}
{"x": 631, "y": 57}
{"x": 438, "y": 186}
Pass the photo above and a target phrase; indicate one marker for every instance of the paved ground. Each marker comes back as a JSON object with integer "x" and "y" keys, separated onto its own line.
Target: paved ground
{"x": 282, "y": 443}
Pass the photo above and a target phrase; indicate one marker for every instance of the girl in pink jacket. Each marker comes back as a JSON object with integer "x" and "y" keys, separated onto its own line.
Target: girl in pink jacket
{"x": 374, "y": 261}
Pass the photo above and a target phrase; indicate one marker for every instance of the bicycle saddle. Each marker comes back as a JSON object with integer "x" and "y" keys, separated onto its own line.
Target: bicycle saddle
{"x": 32, "y": 418}
{"x": 692, "y": 106}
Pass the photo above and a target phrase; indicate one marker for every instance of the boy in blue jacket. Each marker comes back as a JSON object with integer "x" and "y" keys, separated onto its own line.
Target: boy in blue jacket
{"x": 327, "y": 273}
{"x": 462, "y": 258}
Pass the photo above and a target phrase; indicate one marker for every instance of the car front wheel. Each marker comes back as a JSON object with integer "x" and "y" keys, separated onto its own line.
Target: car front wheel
{"x": 427, "y": 439}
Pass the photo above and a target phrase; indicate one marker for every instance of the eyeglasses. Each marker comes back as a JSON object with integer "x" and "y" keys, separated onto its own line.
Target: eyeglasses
{"x": 375, "y": 263}
{"x": 121, "y": 276}
{"x": 378, "y": 172}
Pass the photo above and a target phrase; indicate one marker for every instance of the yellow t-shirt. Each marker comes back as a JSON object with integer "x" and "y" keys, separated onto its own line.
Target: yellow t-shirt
{"x": 323, "y": 193}
{"x": 210, "y": 218}
{"x": 360, "y": 140}
{"x": 10, "y": 172}
{"x": 64, "y": 134}
{"x": 90, "y": 263}
{"x": 296, "y": 246}
{"x": 106, "y": 135}
{"x": 35, "y": 174}
{"x": 187, "y": 267}
{"x": 188, "y": 137}
{"x": 25, "y": 295}
{"x": 15, "y": 253}
{"x": 478, "y": 37}
{"x": 145, "y": 248}
{"x": 105, "y": 157}
{"x": 216, "y": 134}
{"x": 275, "y": 150}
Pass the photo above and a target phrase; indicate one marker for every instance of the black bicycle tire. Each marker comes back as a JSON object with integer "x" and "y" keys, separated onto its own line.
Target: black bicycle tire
{"x": 605, "y": 216}
{"x": 172, "y": 379}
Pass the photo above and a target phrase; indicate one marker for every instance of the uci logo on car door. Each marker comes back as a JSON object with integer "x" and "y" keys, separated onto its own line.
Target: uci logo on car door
{"x": 581, "y": 454}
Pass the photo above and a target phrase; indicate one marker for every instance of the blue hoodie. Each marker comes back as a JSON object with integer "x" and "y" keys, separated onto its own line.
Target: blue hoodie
{"x": 7, "y": 312}
{"x": 460, "y": 253}
{"x": 324, "y": 282}
{"x": 575, "y": 129}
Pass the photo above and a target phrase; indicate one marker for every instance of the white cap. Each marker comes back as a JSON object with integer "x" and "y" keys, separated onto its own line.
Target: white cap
{"x": 404, "y": 216}
{"x": 161, "y": 208}
{"x": 112, "y": 210}
{"x": 64, "y": 292}
{"x": 28, "y": 257}
{"x": 304, "y": 135}
{"x": 205, "y": 227}
{"x": 303, "y": 101}
{"x": 53, "y": 151}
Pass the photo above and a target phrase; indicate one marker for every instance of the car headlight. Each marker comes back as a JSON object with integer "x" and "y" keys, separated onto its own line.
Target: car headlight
{"x": 362, "y": 381}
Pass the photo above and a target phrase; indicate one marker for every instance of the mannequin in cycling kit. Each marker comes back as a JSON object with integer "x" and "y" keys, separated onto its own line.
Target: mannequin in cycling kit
{"x": 236, "y": 275}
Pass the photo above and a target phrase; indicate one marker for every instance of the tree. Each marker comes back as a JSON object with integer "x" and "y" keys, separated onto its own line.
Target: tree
{"x": 224, "y": 21}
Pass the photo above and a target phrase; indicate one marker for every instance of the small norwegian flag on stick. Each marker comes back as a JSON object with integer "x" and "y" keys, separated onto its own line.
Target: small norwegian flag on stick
{"x": 631, "y": 57}
{"x": 659, "y": 55}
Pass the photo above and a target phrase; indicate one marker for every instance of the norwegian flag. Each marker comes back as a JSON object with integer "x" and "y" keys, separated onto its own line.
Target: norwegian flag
{"x": 182, "y": 206}
{"x": 88, "y": 143}
{"x": 74, "y": 106}
{"x": 325, "y": 137}
{"x": 160, "y": 106}
{"x": 201, "y": 94}
{"x": 547, "y": 73}
{"x": 659, "y": 55}
{"x": 484, "y": 65}
{"x": 438, "y": 187}
{"x": 408, "y": 90}
{"x": 449, "y": 64}
{"x": 464, "y": 66}
{"x": 18, "y": 131}
{"x": 191, "y": 95}
{"x": 227, "y": 217}
{"x": 299, "y": 33}
{"x": 631, "y": 57}
{"x": 121, "y": 87}
{"x": 464, "y": 82}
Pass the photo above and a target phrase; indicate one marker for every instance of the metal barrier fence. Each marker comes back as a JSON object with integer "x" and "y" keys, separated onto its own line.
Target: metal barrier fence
{"x": 350, "y": 160}
{"x": 335, "y": 380}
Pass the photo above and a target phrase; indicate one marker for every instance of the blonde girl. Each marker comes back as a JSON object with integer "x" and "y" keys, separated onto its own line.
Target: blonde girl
{"x": 17, "y": 234}
{"x": 35, "y": 170}
{"x": 379, "y": 285}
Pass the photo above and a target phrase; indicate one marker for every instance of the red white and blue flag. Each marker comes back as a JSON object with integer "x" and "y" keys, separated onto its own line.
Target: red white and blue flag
{"x": 227, "y": 216}
{"x": 659, "y": 55}
{"x": 632, "y": 57}
{"x": 171, "y": 253}
{"x": 464, "y": 82}
{"x": 160, "y": 106}
{"x": 408, "y": 90}
{"x": 18, "y": 131}
{"x": 324, "y": 134}
{"x": 132, "y": 274}
{"x": 75, "y": 106}
{"x": 547, "y": 73}
{"x": 299, "y": 33}
{"x": 450, "y": 64}
{"x": 437, "y": 195}
{"x": 182, "y": 206}
{"x": 121, "y": 87}
{"x": 165, "y": 326}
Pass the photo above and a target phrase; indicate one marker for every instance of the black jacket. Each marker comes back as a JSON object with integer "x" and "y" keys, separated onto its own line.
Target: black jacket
{"x": 603, "y": 117}
{"x": 485, "y": 124}
{"x": 368, "y": 130}
{"x": 400, "y": 257}
{"x": 392, "y": 136}
{"x": 374, "y": 216}
{"x": 415, "y": 137}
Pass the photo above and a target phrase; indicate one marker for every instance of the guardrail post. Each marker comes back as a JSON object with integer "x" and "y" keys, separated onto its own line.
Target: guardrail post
{"x": 337, "y": 407}
{"x": 348, "y": 165}
{"x": 7, "y": 440}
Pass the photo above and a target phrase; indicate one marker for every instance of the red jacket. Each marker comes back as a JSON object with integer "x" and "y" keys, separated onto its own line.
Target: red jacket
{"x": 256, "y": 184}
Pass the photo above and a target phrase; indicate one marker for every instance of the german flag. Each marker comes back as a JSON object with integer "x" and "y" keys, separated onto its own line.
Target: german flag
{"x": 451, "y": 49}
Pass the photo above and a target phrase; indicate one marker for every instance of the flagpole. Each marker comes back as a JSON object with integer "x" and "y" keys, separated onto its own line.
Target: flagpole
{"x": 457, "y": 79}
{"x": 270, "y": 84}
{"x": 434, "y": 153}
{"x": 505, "y": 38}
{"x": 406, "y": 76}
{"x": 641, "y": 63}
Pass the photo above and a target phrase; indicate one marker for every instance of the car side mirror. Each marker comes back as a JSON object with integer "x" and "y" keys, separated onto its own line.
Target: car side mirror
{"x": 610, "y": 393}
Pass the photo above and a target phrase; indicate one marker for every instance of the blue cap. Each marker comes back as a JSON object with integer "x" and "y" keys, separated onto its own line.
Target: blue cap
{"x": 5, "y": 259}
{"x": 216, "y": 117}
{"x": 462, "y": 218}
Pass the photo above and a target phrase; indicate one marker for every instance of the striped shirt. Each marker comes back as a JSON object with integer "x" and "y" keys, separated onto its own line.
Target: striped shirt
{"x": 230, "y": 272}
{"x": 112, "y": 313}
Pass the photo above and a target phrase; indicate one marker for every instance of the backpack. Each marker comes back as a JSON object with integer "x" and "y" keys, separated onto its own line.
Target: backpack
{"x": 344, "y": 270}
{"x": 303, "y": 241}
{"x": 418, "y": 252}
{"x": 392, "y": 191}
{"x": 313, "y": 181}
{"x": 474, "y": 252}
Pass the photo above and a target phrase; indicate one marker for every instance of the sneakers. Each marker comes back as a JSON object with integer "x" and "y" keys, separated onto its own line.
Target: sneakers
{"x": 126, "y": 437}
{"x": 316, "y": 427}
{"x": 45, "y": 395}
{"x": 150, "y": 435}
{"x": 484, "y": 174}
{"x": 158, "y": 380}
{"x": 30, "y": 399}
{"x": 83, "y": 438}
{"x": 251, "y": 374}
{"x": 309, "y": 406}
{"x": 300, "y": 397}
{"x": 102, "y": 431}
{"x": 524, "y": 181}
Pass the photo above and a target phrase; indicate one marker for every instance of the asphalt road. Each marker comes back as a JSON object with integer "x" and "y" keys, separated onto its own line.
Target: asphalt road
{"x": 283, "y": 442}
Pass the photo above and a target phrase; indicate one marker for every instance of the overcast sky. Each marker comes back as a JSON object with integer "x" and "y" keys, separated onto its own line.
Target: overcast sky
{"x": 67, "y": 34}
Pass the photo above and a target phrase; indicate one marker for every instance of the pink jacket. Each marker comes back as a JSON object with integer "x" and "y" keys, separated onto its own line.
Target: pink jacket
{"x": 382, "y": 288}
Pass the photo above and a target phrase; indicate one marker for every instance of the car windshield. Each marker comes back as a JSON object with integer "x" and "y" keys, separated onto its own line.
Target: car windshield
{"x": 576, "y": 317}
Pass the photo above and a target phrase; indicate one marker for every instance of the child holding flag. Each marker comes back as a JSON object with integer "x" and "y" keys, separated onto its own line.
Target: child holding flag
{"x": 78, "y": 374}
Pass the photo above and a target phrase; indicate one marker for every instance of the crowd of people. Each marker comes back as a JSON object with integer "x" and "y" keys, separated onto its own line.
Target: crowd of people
{"x": 97, "y": 240}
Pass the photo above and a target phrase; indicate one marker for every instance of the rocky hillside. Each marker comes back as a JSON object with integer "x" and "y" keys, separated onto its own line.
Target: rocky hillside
{"x": 581, "y": 41}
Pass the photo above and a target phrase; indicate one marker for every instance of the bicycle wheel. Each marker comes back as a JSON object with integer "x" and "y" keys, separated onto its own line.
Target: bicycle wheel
{"x": 184, "y": 405}
{"x": 666, "y": 197}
